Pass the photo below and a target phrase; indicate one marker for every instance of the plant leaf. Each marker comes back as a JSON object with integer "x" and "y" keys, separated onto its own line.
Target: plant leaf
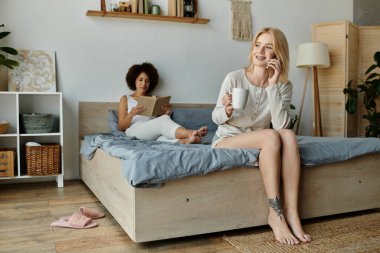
{"x": 372, "y": 76}
{"x": 4, "y": 34}
{"x": 9, "y": 50}
{"x": 352, "y": 93}
{"x": 351, "y": 106}
{"x": 362, "y": 87}
{"x": 376, "y": 57}
{"x": 371, "y": 103}
{"x": 12, "y": 62}
{"x": 376, "y": 86}
{"x": 8, "y": 62}
{"x": 7, "y": 65}
{"x": 371, "y": 68}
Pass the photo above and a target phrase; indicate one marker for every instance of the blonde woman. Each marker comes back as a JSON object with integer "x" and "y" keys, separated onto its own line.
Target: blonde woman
{"x": 270, "y": 93}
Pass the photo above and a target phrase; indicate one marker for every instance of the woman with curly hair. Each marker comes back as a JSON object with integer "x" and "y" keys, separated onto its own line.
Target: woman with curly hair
{"x": 143, "y": 79}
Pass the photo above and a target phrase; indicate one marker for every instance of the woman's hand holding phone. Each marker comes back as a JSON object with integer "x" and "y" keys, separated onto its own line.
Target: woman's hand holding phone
{"x": 275, "y": 66}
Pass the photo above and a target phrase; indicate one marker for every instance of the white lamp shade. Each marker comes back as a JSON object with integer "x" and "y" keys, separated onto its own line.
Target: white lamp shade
{"x": 313, "y": 54}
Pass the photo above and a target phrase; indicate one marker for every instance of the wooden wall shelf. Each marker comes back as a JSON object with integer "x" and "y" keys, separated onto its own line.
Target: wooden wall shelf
{"x": 147, "y": 17}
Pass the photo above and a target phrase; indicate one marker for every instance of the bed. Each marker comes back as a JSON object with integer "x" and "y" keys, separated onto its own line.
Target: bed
{"x": 218, "y": 201}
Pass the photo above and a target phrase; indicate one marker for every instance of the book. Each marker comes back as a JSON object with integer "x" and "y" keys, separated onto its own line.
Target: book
{"x": 172, "y": 8}
{"x": 134, "y": 4}
{"x": 180, "y": 8}
{"x": 140, "y": 7}
{"x": 103, "y": 5}
{"x": 153, "y": 105}
{"x": 146, "y": 6}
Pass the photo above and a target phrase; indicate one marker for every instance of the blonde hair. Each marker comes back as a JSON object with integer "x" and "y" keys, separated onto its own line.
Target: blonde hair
{"x": 280, "y": 48}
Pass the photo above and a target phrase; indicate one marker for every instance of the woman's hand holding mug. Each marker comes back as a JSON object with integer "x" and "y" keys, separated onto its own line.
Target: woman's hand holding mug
{"x": 227, "y": 102}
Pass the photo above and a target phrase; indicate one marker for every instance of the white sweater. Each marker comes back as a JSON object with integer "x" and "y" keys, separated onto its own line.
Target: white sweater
{"x": 264, "y": 105}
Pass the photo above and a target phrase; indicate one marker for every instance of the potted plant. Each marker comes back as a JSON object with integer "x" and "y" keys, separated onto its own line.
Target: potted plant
{"x": 371, "y": 94}
{"x": 294, "y": 117}
{"x": 8, "y": 50}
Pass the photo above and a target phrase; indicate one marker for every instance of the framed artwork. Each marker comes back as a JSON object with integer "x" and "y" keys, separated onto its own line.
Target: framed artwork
{"x": 36, "y": 72}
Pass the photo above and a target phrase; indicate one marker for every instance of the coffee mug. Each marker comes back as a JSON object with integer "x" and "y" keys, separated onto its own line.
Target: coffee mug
{"x": 239, "y": 98}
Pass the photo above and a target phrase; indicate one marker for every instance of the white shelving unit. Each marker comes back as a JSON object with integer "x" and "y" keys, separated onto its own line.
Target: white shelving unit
{"x": 12, "y": 104}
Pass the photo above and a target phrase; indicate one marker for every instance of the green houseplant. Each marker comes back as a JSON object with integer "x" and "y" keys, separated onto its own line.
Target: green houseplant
{"x": 4, "y": 60}
{"x": 371, "y": 92}
{"x": 294, "y": 117}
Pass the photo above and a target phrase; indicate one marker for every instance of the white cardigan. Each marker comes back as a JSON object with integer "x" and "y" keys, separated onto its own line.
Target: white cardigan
{"x": 264, "y": 105}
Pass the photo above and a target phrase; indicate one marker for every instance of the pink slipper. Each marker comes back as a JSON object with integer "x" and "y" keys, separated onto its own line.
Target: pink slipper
{"x": 91, "y": 213}
{"x": 76, "y": 220}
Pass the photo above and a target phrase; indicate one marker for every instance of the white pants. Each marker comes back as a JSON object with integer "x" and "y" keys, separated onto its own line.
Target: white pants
{"x": 161, "y": 128}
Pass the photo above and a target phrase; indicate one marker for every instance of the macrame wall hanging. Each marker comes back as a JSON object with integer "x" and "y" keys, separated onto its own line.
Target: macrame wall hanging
{"x": 241, "y": 20}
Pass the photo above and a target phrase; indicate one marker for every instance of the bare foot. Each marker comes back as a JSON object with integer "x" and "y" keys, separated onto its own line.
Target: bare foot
{"x": 295, "y": 224}
{"x": 281, "y": 230}
{"x": 201, "y": 132}
{"x": 194, "y": 138}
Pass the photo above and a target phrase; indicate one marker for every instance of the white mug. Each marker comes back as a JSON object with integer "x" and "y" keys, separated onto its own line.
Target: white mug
{"x": 239, "y": 98}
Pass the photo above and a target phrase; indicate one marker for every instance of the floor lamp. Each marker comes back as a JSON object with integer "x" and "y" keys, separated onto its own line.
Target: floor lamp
{"x": 313, "y": 55}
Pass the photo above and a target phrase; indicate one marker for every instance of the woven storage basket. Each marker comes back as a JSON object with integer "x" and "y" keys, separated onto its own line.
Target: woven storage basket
{"x": 43, "y": 160}
{"x": 3, "y": 127}
{"x": 37, "y": 123}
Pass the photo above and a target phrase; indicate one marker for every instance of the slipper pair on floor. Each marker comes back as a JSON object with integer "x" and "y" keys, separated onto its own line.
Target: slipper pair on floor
{"x": 81, "y": 219}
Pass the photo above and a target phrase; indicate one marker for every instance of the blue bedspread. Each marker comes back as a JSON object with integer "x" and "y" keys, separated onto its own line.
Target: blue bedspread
{"x": 153, "y": 162}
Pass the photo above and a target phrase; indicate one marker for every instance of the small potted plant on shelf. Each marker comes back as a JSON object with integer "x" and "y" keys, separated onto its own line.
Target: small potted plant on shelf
{"x": 4, "y": 60}
{"x": 371, "y": 95}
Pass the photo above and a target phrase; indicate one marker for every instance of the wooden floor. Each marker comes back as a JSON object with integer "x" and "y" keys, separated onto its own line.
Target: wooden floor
{"x": 27, "y": 210}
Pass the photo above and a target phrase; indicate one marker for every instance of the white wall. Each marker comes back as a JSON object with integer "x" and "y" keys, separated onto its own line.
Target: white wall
{"x": 93, "y": 54}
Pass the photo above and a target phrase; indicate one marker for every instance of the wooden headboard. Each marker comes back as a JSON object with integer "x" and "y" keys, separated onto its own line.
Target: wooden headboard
{"x": 93, "y": 116}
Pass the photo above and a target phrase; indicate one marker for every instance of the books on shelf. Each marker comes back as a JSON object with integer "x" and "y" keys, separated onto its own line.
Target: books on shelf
{"x": 146, "y": 6}
{"x": 169, "y": 8}
{"x": 140, "y": 7}
{"x": 134, "y": 4}
{"x": 153, "y": 105}
{"x": 172, "y": 8}
{"x": 180, "y": 8}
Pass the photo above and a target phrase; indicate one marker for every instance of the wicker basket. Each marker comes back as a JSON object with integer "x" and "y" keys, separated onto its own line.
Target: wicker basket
{"x": 3, "y": 127}
{"x": 43, "y": 160}
{"x": 37, "y": 123}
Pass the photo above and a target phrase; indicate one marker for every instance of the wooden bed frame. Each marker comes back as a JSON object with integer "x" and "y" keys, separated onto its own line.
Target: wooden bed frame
{"x": 218, "y": 201}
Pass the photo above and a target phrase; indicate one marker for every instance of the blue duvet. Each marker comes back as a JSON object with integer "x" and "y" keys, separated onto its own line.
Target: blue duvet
{"x": 152, "y": 162}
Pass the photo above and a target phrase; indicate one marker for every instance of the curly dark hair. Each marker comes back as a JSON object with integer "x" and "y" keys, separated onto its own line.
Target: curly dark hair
{"x": 136, "y": 70}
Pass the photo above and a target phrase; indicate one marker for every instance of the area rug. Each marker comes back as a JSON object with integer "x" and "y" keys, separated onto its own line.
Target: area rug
{"x": 358, "y": 233}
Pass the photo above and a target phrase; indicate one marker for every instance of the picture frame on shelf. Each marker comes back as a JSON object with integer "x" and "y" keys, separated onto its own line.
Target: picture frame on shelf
{"x": 35, "y": 73}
